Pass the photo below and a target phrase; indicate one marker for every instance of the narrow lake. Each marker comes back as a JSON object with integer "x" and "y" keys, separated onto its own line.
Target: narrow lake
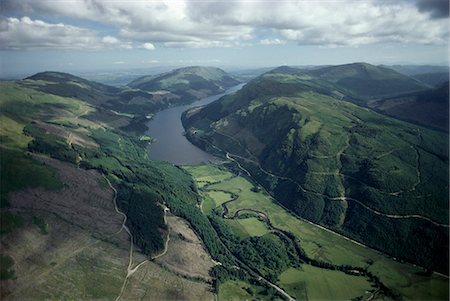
{"x": 171, "y": 145}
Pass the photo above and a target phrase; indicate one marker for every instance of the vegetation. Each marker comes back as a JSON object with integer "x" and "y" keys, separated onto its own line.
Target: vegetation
{"x": 20, "y": 171}
{"x": 187, "y": 84}
{"x": 241, "y": 290}
{"x": 324, "y": 149}
{"x": 325, "y": 253}
{"x": 328, "y": 284}
{"x": 335, "y": 163}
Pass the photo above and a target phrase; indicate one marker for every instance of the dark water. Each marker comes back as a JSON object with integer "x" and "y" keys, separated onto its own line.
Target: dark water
{"x": 170, "y": 143}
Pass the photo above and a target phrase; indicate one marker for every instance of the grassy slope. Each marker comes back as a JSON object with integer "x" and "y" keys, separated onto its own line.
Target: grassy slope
{"x": 188, "y": 83}
{"x": 334, "y": 149}
{"x": 30, "y": 117}
{"x": 366, "y": 81}
{"x": 428, "y": 108}
{"x": 326, "y": 246}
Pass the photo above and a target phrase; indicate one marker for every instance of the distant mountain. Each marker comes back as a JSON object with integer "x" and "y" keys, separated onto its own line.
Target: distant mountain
{"x": 336, "y": 163}
{"x": 189, "y": 83}
{"x": 110, "y": 101}
{"x": 429, "y": 107}
{"x": 433, "y": 79}
{"x": 68, "y": 85}
{"x": 364, "y": 81}
{"x": 412, "y": 70}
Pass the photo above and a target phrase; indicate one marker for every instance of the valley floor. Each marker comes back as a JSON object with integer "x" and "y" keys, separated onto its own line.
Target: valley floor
{"x": 252, "y": 213}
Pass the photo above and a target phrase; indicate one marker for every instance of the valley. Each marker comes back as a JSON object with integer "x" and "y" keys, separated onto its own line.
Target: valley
{"x": 291, "y": 190}
{"x": 334, "y": 163}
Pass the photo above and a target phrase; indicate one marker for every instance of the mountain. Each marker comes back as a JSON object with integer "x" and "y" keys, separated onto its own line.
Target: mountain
{"x": 432, "y": 79}
{"x": 134, "y": 105}
{"x": 122, "y": 99}
{"x": 429, "y": 107}
{"x": 376, "y": 179}
{"x": 85, "y": 214}
{"x": 77, "y": 187}
{"x": 188, "y": 84}
{"x": 413, "y": 70}
{"x": 364, "y": 81}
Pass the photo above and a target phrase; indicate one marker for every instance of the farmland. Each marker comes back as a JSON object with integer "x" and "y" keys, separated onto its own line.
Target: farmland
{"x": 319, "y": 244}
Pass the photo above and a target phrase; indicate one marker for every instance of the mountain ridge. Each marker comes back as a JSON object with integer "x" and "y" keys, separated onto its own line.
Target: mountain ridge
{"x": 314, "y": 164}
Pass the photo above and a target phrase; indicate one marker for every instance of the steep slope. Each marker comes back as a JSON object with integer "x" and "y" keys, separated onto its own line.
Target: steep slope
{"x": 67, "y": 226}
{"x": 376, "y": 179}
{"x": 429, "y": 108}
{"x": 364, "y": 81}
{"x": 187, "y": 83}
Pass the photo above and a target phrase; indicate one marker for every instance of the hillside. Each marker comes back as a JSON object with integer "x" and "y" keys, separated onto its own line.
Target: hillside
{"x": 133, "y": 104}
{"x": 364, "y": 81}
{"x": 433, "y": 79}
{"x": 86, "y": 215}
{"x": 188, "y": 84}
{"x": 429, "y": 107}
{"x": 76, "y": 188}
{"x": 376, "y": 179}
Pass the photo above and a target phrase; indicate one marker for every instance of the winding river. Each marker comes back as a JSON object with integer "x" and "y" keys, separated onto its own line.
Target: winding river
{"x": 171, "y": 145}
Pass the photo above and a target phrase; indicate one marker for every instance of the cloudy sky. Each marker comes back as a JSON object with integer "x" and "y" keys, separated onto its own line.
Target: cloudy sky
{"x": 38, "y": 35}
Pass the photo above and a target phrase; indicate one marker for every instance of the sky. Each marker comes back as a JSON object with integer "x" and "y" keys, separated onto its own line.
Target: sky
{"x": 89, "y": 35}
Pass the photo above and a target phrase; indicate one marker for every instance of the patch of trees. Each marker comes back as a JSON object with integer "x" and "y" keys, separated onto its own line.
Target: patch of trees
{"x": 266, "y": 255}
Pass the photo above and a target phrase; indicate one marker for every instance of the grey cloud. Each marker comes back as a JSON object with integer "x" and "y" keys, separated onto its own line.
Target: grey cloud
{"x": 436, "y": 8}
{"x": 197, "y": 24}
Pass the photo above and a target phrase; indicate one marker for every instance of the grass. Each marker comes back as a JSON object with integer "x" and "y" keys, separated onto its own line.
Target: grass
{"x": 253, "y": 226}
{"x": 206, "y": 174}
{"x": 19, "y": 171}
{"x": 312, "y": 283}
{"x": 237, "y": 228}
{"x": 321, "y": 244}
{"x": 335, "y": 148}
{"x": 233, "y": 290}
{"x": 219, "y": 197}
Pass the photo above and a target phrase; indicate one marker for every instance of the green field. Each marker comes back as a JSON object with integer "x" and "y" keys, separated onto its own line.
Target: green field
{"x": 253, "y": 226}
{"x": 233, "y": 290}
{"x": 219, "y": 197}
{"x": 322, "y": 244}
{"x": 206, "y": 174}
{"x": 311, "y": 283}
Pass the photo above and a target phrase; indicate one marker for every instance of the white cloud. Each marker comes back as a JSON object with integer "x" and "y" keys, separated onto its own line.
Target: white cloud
{"x": 272, "y": 42}
{"x": 110, "y": 40}
{"x": 150, "y": 62}
{"x": 201, "y": 24}
{"x": 27, "y": 33}
{"x": 148, "y": 46}
{"x": 119, "y": 63}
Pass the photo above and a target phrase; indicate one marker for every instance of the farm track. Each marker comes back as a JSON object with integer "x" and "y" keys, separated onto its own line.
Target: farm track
{"x": 341, "y": 198}
{"x": 130, "y": 269}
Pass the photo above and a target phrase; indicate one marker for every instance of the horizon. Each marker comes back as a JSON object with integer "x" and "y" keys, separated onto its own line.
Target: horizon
{"x": 141, "y": 71}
